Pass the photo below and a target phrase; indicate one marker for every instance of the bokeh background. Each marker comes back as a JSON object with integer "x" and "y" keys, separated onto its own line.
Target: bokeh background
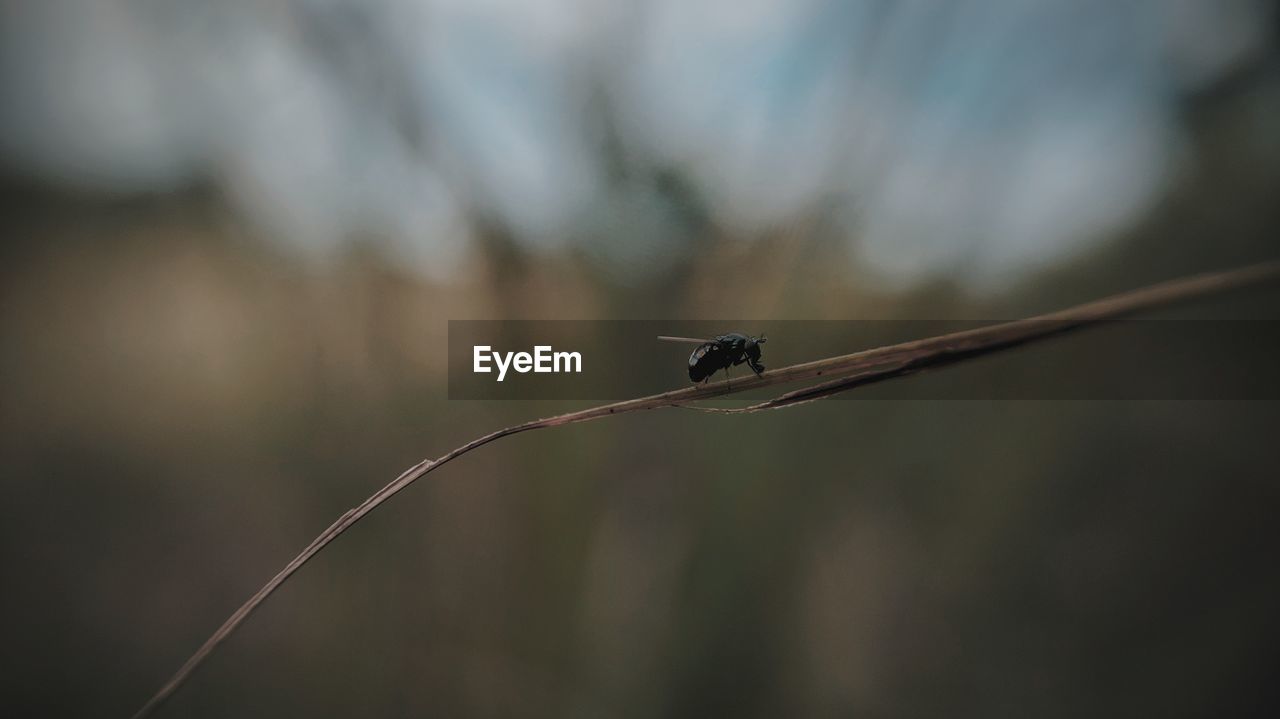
{"x": 233, "y": 234}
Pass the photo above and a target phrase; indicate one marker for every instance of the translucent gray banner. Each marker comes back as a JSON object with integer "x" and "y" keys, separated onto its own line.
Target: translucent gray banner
{"x": 1119, "y": 359}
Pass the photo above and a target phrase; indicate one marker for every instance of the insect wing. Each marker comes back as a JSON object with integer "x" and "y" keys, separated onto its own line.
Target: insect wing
{"x": 686, "y": 340}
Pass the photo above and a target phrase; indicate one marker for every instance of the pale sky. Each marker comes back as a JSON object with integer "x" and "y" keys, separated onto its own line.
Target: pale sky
{"x": 979, "y": 138}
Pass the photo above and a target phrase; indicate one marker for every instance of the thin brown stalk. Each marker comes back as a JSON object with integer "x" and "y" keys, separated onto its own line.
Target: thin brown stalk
{"x": 843, "y": 373}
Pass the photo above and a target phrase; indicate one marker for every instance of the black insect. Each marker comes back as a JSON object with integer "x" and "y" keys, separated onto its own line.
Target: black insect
{"x": 721, "y": 353}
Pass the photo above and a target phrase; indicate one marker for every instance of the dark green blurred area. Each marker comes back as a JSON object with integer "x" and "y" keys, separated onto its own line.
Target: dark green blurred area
{"x": 185, "y": 406}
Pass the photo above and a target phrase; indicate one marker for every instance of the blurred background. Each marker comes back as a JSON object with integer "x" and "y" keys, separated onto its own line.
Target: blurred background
{"x": 233, "y": 234}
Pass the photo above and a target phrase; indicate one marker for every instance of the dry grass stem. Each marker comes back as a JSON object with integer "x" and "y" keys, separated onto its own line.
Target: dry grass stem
{"x": 839, "y": 374}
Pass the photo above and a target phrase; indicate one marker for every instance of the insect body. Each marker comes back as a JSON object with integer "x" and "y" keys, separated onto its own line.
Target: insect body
{"x": 721, "y": 353}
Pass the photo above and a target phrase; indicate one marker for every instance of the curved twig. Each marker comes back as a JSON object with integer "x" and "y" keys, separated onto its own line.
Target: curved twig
{"x": 848, "y": 371}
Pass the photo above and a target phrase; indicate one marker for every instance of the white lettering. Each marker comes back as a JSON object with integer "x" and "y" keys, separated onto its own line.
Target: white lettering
{"x": 568, "y": 357}
{"x": 502, "y": 366}
{"x": 543, "y": 360}
{"x": 541, "y": 357}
